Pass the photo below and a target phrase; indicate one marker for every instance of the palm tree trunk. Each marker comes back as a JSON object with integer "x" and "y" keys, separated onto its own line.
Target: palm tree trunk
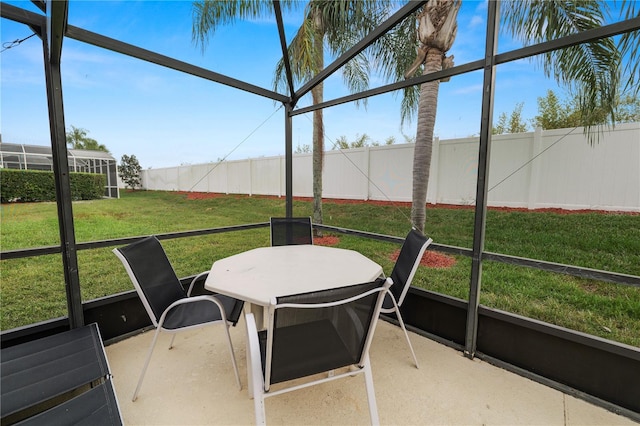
{"x": 318, "y": 133}
{"x": 427, "y": 107}
{"x": 318, "y": 154}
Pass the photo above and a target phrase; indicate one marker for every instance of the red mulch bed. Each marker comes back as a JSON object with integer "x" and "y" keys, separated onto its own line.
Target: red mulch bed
{"x": 431, "y": 259}
{"x": 206, "y": 195}
{"x": 201, "y": 195}
{"x": 327, "y": 240}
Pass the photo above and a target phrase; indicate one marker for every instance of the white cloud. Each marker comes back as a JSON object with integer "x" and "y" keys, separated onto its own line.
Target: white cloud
{"x": 476, "y": 21}
{"x": 475, "y": 88}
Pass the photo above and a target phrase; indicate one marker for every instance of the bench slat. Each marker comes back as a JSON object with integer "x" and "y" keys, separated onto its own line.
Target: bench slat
{"x": 35, "y": 373}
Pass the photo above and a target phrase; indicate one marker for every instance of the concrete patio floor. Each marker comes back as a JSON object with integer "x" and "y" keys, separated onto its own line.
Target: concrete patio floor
{"x": 194, "y": 384}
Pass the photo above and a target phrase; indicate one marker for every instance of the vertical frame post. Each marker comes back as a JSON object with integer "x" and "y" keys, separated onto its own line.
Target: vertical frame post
{"x": 288, "y": 156}
{"x": 57, "y": 12}
{"x": 483, "y": 178}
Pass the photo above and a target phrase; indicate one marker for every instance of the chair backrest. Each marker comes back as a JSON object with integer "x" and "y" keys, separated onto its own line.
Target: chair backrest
{"x": 287, "y": 231}
{"x": 321, "y": 331}
{"x": 407, "y": 264}
{"x": 152, "y": 275}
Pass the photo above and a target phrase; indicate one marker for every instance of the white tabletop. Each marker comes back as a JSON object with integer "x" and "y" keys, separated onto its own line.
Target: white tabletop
{"x": 258, "y": 275}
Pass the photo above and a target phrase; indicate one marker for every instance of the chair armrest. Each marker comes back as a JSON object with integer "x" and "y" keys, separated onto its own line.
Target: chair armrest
{"x": 193, "y": 281}
{"x": 193, "y": 299}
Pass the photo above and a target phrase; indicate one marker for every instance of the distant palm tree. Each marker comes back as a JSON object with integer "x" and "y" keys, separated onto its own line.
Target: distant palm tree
{"x": 338, "y": 25}
{"x": 77, "y": 139}
{"x": 591, "y": 70}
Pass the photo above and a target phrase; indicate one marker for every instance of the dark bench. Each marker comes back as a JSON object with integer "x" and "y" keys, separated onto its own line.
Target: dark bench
{"x": 61, "y": 379}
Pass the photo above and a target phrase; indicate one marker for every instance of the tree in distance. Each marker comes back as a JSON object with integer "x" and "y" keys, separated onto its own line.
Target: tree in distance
{"x": 129, "y": 171}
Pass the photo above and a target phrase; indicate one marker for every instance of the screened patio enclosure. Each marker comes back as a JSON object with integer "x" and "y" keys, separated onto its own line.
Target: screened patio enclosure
{"x": 36, "y": 157}
{"x": 596, "y": 369}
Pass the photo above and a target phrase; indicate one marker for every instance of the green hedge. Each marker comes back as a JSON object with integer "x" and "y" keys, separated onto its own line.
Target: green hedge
{"x": 34, "y": 185}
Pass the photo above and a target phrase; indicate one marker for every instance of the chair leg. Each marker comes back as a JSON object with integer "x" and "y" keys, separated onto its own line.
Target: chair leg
{"x": 171, "y": 343}
{"x": 406, "y": 335}
{"x": 233, "y": 356}
{"x": 258, "y": 405}
{"x": 254, "y": 370}
{"x": 371, "y": 395}
{"x": 250, "y": 367}
{"x": 146, "y": 364}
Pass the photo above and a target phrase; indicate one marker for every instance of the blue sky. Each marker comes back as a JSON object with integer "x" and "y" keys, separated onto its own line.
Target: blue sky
{"x": 167, "y": 118}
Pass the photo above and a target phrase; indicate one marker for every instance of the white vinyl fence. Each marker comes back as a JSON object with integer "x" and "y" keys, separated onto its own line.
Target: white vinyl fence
{"x": 541, "y": 169}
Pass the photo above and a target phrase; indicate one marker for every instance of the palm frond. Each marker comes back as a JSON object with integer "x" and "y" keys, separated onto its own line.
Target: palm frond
{"x": 628, "y": 46}
{"x": 355, "y": 75}
{"x": 591, "y": 71}
{"x": 409, "y": 104}
{"x": 208, "y": 15}
{"x": 301, "y": 51}
{"x": 393, "y": 53}
{"x": 342, "y": 24}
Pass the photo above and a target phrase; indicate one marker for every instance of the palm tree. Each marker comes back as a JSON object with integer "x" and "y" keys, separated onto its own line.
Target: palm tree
{"x": 77, "y": 139}
{"x": 334, "y": 24}
{"x": 591, "y": 70}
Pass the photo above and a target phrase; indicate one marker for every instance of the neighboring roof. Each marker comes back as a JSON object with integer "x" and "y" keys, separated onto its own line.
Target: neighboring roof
{"x": 16, "y": 148}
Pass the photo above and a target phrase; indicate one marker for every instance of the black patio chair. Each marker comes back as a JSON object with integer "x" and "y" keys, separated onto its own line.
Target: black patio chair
{"x": 402, "y": 274}
{"x": 314, "y": 333}
{"x": 291, "y": 231}
{"x": 170, "y": 308}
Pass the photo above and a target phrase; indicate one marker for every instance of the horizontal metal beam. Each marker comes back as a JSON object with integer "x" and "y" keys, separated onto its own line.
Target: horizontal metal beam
{"x": 450, "y": 72}
{"x": 381, "y": 30}
{"x": 41, "y": 251}
{"x": 22, "y": 16}
{"x": 168, "y": 62}
{"x": 575, "y": 271}
{"x": 502, "y": 58}
{"x": 34, "y": 20}
{"x": 572, "y": 40}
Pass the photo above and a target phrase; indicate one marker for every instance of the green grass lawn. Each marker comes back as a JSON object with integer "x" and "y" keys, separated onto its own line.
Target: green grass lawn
{"x": 33, "y": 288}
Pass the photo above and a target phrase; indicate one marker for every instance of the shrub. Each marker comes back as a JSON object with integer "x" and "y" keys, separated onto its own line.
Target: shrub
{"x": 35, "y": 185}
{"x": 129, "y": 171}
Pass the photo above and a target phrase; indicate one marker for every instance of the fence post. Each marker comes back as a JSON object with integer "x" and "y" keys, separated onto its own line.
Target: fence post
{"x": 250, "y": 161}
{"x": 281, "y": 159}
{"x": 226, "y": 177}
{"x": 367, "y": 152}
{"x": 534, "y": 175}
